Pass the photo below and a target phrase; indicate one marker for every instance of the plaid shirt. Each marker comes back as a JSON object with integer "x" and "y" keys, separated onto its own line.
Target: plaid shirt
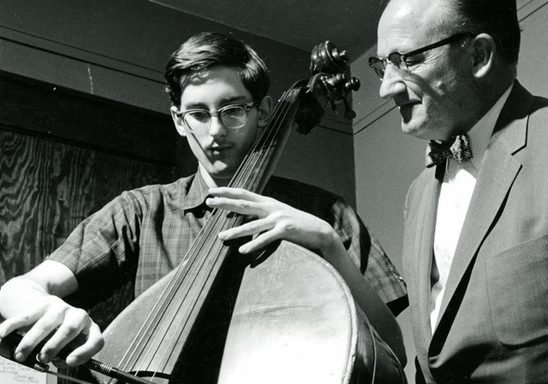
{"x": 143, "y": 234}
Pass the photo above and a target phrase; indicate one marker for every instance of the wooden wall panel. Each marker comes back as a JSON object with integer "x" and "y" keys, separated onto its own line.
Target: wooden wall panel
{"x": 63, "y": 155}
{"x": 48, "y": 187}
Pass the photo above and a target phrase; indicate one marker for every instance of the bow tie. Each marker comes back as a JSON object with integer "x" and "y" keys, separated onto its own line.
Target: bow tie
{"x": 457, "y": 147}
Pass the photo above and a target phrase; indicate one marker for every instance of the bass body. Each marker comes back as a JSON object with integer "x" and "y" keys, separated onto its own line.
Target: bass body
{"x": 293, "y": 321}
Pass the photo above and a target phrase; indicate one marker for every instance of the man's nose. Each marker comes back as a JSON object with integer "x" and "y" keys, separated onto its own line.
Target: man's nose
{"x": 392, "y": 82}
{"x": 216, "y": 127}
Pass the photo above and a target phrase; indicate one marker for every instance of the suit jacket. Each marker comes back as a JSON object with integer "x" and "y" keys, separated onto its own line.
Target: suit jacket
{"x": 493, "y": 324}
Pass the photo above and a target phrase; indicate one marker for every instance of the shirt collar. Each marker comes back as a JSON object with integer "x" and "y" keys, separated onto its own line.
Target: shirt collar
{"x": 197, "y": 193}
{"x": 481, "y": 132}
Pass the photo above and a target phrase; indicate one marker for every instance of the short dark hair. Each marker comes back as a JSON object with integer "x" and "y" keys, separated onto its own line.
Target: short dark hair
{"x": 209, "y": 49}
{"x": 498, "y": 18}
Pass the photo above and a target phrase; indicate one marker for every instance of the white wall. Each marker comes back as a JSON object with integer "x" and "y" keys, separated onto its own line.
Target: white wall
{"x": 387, "y": 161}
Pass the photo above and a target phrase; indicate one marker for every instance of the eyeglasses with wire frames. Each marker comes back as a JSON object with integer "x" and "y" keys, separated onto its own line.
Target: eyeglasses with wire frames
{"x": 233, "y": 116}
{"x": 402, "y": 60}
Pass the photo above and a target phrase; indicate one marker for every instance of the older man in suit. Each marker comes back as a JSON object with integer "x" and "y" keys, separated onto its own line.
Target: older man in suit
{"x": 475, "y": 246}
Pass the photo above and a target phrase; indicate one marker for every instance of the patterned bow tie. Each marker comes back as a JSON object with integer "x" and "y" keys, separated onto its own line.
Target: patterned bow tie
{"x": 457, "y": 148}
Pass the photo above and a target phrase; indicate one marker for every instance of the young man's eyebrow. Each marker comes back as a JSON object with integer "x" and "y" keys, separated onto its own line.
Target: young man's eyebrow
{"x": 223, "y": 102}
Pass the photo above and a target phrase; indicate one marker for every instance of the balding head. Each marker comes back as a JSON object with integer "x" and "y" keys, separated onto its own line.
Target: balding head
{"x": 442, "y": 69}
{"x": 498, "y": 18}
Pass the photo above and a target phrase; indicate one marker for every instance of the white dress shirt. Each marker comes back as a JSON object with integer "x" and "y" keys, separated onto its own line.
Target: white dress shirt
{"x": 455, "y": 195}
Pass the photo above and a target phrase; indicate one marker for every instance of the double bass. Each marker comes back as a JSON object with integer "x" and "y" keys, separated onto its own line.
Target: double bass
{"x": 282, "y": 316}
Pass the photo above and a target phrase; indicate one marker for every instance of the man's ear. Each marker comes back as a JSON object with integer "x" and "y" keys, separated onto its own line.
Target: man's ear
{"x": 265, "y": 109}
{"x": 179, "y": 124}
{"x": 483, "y": 55}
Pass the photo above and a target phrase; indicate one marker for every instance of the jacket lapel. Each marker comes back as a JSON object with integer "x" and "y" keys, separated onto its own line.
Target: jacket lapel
{"x": 419, "y": 275}
{"x": 497, "y": 173}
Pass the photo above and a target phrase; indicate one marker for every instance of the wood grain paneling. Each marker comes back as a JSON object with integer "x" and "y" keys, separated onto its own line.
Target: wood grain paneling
{"x": 63, "y": 155}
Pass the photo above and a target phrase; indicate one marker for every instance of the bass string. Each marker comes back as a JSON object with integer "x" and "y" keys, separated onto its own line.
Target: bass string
{"x": 266, "y": 147}
{"x": 217, "y": 221}
{"x": 221, "y": 221}
{"x": 248, "y": 173}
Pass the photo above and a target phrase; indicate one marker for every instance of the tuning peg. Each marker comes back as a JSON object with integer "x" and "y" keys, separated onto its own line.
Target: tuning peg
{"x": 353, "y": 84}
{"x": 340, "y": 56}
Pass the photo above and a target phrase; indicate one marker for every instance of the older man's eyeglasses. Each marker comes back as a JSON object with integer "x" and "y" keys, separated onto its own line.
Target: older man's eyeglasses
{"x": 403, "y": 61}
{"x": 232, "y": 116}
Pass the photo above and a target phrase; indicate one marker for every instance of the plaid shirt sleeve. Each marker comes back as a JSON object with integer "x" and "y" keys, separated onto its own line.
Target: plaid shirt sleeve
{"x": 362, "y": 247}
{"x": 102, "y": 250}
{"x": 368, "y": 254}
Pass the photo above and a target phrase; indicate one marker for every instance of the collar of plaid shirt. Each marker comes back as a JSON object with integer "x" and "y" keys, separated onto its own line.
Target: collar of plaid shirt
{"x": 197, "y": 193}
